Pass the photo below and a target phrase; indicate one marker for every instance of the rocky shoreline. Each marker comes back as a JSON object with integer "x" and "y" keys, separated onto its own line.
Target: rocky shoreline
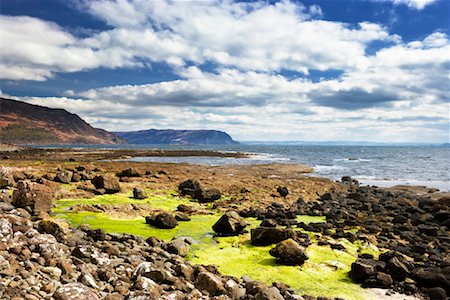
{"x": 43, "y": 257}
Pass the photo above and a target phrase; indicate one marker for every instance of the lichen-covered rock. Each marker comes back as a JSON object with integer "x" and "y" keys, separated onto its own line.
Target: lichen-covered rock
{"x": 231, "y": 223}
{"x": 75, "y": 291}
{"x": 289, "y": 252}
{"x": 64, "y": 176}
{"x": 37, "y": 197}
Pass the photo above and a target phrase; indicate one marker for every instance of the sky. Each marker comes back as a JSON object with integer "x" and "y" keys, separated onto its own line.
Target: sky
{"x": 312, "y": 70}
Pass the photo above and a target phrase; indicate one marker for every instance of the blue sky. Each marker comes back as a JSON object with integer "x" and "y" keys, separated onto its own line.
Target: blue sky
{"x": 373, "y": 70}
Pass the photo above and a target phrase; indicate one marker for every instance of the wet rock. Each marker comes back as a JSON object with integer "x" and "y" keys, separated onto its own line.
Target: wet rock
{"x": 231, "y": 223}
{"x": 178, "y": 246}
{"x": 139, "y": 193}
{"x": 130, "y": 172}
{"x": 289, "y": 252}
{"x": 211, "y": 283}
{"x": 163, "y": 220}
{"x": 37, "y": 197}
{"x": 264, "y": 236}
{"x": 283, "y": 191}
{"x": 64, "y": 176}
{"x": 75, "y": 291}
{"x": 109, "y": 184}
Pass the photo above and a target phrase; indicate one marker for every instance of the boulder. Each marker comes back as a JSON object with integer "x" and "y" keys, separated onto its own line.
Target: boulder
{"x": 191, "y": 187}
{"x": 283, "y": 191}
{"x": 230, "y": 223}
{"x": 163, "y": 220}
{"x": 178, "y": 246}
{"x": 139, "y": 193}
{"x": 130, "y": 172}
{"x": 269, "y": 293}
{"x": 6, "y": 178}
{"x": 36, "y": 196}
{"x": 436, "y": 293}
{"x": 211, "y": 283}
{"x": 397, "y": 269}
{"x": 362, "y": 269}
{"x": 264, "y": 236}
{"x": 380, "y": 280}
{"x": 63, "y": 177}
{"x": 109, "y": 184}
{"x": 289, "y": 252}
{"x": 75, "y": 291}
{"x": 210, "y": 195}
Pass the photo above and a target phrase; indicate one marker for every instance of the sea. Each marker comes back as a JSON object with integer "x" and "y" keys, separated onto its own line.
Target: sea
{"x": 371, "y": 165}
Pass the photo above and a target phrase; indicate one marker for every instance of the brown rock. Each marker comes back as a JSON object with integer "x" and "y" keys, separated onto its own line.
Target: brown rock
{"x": 75, "y": 291}
{"x": 36, "y": 196}
{"x": 108, "y": 183}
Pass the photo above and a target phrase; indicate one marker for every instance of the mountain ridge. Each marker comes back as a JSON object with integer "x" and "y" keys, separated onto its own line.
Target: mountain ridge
{"x": 177, "y": 137}
{"x": 24, "y": 123}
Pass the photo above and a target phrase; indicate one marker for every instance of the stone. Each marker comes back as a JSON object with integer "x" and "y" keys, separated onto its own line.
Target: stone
{"x": 54, "y": 272}
{"x": 75, "y": 291}
{"x": 182, "y": 217}
{"x": 380, "y": 280}
{"x": 107, "y": 183}
{"x": 283, "y": 191}
{"x": 147, "y": 285}
{"x": 64, "y": 176}
{"x": 231, "y": 223}
{"x": 178, "y": 246}
{"x": 269, "y": 293}
{"x": 264, "y": 236}
{"x": 289, "y": 252}
{"x": 361, "y": 270}
{"x": 436, "y": 293}
{"x": 397, "y": 269}
{"x": 139, "y": 193}
{"x": 210, "y": 195}
{"x": 36, "y": 196}
{"x": 130, "y": 172}
{"x": 163, "y": 220}
{"x": 190, "y": 187}
{"x": 6, "y": 178}
{"x": 211, "y": 283}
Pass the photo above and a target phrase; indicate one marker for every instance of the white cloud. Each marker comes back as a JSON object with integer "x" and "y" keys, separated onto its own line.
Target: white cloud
{"x": 417, "y": 4}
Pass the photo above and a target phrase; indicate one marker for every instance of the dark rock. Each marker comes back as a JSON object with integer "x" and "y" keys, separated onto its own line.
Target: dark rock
{"x": 436, "y": 293}
{"x": 432, "y": 277}
{"x": 108, "y": 183}
{"x": 398, "y": 270}
{"x": 268, "y": 223}
{"x": 264, "y": 236}
{"x": 191, "y": 187}
{"x": 163, "y": 220}
{"x": 130, "y": 172}
{"x": 36, "y": 196}
{"x": 139, "y": 193}
{"x": 283, "y": 191}
{"x": 64, "y": 176}
{"x": 76, "y": 177}
{"x": 210, "y": 195}
{"x": 289, "y": 252}
{"x": 230, "y": 223}
{"x": 380, "y": 280}
{"x": 362, "y": 269}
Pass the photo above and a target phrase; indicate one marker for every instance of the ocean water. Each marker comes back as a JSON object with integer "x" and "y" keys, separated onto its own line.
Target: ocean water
{"x": 374, "y": 165}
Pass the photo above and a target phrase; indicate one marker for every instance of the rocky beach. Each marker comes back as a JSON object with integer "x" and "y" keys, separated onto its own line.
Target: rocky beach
{"x": 74, "y": 226}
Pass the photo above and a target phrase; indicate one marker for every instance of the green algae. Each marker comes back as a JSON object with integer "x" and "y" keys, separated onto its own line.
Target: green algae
{"x": 324, "y": 274}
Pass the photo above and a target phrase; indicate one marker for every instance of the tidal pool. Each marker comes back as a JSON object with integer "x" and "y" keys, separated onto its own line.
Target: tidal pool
{"x": 324, "y": 274}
